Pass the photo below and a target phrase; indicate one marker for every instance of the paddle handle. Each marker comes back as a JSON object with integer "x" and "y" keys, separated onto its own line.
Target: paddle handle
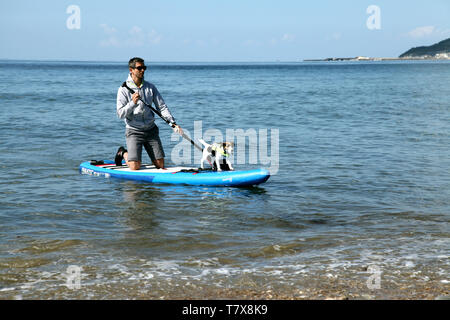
{"x": 161, "y": 116}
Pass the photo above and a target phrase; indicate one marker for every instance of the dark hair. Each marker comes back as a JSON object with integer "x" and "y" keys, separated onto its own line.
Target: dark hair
{"x": 132, "y": 62}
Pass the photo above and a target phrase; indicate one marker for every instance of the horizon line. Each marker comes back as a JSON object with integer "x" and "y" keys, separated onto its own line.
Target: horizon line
{"x": 153, "y": 61}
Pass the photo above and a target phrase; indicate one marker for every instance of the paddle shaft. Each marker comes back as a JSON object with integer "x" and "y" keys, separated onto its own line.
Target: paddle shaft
{"x": 160, "y": 115}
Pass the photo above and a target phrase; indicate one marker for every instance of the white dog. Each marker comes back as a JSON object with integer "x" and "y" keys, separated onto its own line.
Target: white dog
{"x": 217, "y": 155}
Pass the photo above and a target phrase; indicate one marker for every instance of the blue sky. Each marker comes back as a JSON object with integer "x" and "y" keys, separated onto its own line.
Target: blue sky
{"x": 218, "y": 30}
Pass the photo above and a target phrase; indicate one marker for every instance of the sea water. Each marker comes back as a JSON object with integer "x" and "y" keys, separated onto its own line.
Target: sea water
{"x": 358, "y": 205}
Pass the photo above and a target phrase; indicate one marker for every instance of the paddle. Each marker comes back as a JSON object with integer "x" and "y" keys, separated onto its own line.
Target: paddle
{"x": 160, "y": 115}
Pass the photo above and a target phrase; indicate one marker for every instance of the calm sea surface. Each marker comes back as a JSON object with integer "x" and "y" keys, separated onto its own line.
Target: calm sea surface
{"x": 360, "y": 201}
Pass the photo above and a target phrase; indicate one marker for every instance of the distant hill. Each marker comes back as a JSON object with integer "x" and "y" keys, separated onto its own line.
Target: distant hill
{"x": 442, "y": 47}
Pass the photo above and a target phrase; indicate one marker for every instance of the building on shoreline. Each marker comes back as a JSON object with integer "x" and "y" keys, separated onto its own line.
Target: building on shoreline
{"x": 437, "y": 51}
{"x": 438, "y": 56}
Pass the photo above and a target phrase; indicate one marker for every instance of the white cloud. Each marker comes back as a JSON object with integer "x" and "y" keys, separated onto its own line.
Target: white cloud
{"x": 107, "y": 29}
{"x": 135, "y": 31}
{"x": 422, "y": 32}
{"x": 111, "y": 40}
{"x": 136, "y": 37}
{"x": 428, "y": 31}
{"x": 335, "y": 36}
{"x": 251, "y": 43}
{"x": 443, "y": 32}
{"x": 215, "y": 41}
{"x": 154, "y": 37}
{"x": 287, "y": 37}
{"x": 201, "y": 42}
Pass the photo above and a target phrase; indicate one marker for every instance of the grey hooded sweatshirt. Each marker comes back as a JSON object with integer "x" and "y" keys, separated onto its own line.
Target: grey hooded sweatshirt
{"x": 139, "y": 116}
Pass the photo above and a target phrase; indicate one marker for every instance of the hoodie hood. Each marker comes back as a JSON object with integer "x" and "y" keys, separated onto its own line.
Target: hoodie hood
{"x": 131, "y": 84}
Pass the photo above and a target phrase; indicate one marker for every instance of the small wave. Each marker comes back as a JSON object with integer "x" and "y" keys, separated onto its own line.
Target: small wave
{"x": 46, "y": 246}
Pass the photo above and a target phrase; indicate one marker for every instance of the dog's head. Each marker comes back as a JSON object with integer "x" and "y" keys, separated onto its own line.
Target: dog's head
{"x": 228, "y": 147}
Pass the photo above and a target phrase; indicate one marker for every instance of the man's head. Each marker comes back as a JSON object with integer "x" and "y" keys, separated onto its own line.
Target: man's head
{"x": 137, "y": 67}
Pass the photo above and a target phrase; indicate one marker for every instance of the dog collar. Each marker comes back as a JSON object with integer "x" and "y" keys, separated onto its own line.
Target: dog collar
{"x": 220, "y": 150}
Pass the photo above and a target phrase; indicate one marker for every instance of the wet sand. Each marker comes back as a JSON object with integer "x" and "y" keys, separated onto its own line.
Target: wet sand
{"x": 318, "y": 289}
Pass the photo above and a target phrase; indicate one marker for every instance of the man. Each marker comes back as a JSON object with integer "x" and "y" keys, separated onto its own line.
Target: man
{"x": 141, "y": 129}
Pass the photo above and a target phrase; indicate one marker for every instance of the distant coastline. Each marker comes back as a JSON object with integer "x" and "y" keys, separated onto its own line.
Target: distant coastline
{"x": 360, "y": 58}
{"x": 437, "y": 51}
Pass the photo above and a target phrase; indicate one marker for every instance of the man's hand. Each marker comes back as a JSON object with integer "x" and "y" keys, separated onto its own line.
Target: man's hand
{"x": 135, "y": 97}
{"x": 177, "y": 129}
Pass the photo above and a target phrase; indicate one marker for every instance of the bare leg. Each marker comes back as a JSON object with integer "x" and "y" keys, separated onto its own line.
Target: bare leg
{"x": 159, "y": 163}
{"x": 133, "y": 165}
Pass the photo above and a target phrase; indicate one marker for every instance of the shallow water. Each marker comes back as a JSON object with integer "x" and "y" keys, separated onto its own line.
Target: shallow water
{"x": 363, "y": 181}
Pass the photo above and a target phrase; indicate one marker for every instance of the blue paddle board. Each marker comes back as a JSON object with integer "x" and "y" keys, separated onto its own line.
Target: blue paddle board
{"x": 177, "y": 175}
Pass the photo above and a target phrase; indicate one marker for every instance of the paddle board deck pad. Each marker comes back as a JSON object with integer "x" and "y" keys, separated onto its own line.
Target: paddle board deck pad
{"x": 176, "y": 175}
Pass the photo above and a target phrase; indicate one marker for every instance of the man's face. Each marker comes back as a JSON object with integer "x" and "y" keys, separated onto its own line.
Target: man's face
{"x": 138, "y": 70}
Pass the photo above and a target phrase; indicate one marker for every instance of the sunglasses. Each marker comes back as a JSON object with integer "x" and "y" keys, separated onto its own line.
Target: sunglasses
{"x": 140, "y": 68}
